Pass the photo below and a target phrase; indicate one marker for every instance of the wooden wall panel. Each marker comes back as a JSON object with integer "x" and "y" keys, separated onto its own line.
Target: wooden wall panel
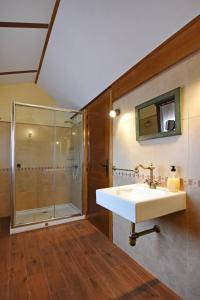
{"x": 99, "y": 154}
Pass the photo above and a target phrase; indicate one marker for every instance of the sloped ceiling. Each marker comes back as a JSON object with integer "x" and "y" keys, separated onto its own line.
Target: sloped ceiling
{"x": 21, "y": 48}
{"x": 93, "y": 42}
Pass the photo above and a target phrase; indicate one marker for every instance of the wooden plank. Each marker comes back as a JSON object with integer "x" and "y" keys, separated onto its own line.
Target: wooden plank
{"x": 23, "y": 25}
{"x": 71, "y": 261}
{"x": 99, "y": 159}
{"x": 57, "y": 3}
{"x": 85, "y": 166}
{"x": 5, "y": 258}
{"x": 18, "y": 72}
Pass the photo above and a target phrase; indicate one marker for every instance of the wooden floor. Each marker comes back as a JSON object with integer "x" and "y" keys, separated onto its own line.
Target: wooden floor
{"x": 72, "y": 261}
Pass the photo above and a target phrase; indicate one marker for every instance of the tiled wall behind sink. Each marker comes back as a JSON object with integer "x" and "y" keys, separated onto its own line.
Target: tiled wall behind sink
{"x": 173, "y": 255}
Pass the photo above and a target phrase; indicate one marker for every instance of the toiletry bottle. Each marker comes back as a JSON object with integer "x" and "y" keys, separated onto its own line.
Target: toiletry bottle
{"x": 173, "y": 182}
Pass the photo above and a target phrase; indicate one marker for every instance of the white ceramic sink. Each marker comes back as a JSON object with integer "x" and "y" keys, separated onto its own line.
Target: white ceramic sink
{"x": 137, "y": 202}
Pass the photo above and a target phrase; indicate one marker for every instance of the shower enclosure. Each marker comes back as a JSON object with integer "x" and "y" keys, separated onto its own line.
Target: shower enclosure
{"x": 46, "y": 163}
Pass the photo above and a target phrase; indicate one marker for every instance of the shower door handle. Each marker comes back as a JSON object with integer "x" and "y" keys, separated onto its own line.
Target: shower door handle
{"x": 106, "y": 166}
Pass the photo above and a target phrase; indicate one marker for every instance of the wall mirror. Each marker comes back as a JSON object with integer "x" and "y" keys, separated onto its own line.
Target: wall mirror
{"x": 159, "y": 117}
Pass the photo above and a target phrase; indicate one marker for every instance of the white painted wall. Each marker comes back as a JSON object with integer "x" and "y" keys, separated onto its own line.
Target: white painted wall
{"x": 93, "y": 42}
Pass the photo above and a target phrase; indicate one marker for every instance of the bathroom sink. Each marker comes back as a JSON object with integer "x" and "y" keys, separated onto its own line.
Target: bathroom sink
{"x": 137, "y": 202}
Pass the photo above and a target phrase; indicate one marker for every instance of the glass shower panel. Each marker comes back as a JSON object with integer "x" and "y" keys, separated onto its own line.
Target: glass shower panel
{"x": 34, "y": 164}
{"x": 68, "y": 164}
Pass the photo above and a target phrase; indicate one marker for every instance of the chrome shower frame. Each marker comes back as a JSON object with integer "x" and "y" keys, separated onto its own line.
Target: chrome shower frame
{"x": 13, "y": 163}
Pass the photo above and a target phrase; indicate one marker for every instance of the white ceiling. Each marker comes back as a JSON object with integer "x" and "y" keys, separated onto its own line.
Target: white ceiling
{"x": 31, "y": 11}
{"x": 21, "y": 48}
{"x": 93, "y": 42}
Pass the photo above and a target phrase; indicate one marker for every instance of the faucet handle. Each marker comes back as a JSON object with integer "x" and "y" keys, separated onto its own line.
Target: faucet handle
{"x": 156, "y": 182}
{"x": 152, "y": 184}
{"x": 136, "y": 169}
{"x": 152, "y": 166}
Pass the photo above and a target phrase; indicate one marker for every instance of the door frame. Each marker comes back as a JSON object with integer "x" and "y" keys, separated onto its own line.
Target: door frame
{"x": 86, "y": 162}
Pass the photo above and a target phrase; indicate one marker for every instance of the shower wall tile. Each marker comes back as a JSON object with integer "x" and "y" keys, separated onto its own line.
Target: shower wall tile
{"x": 41, "y": 158}
{"x": 194, "y": 147}
{"x": 4, "y": 193}
{"x": 26, "y": 190}
{"x": 193, "y": 244}
{"x": 4, "y": 145}
{"x": 4, "y": 165}
{"x": 62, "y": 192}
{"x": 35, "y": 150}
{"x": 44, "y": 188}
{"x": 61, "y": 195}
{"x": 38, "y": 185}
{"x": 5, "y": 206}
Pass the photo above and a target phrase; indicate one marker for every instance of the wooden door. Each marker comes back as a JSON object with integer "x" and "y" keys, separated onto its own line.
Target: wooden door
{"x": 99, "y": 159}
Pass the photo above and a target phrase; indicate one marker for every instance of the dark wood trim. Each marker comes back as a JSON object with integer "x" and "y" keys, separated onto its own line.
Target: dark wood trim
{"x": 47, "y": 38}
{"x": 24, "y": 25}
{"x": 92, "y": 216}
{"x": 18, "y": 72}
{"x": 97, "y": 97}
{"x": 111, "y": 167}
{"x": 85, "y": 163}
{"x": 182, "y": 44}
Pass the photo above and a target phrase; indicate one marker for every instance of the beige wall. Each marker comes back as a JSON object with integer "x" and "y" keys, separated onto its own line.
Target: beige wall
{"x": 26, "y": 93}
{"x": 4, "y": 171}
{"x": 173, "y": 255}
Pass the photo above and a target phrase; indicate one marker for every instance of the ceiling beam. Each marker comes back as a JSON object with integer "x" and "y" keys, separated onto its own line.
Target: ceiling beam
{"x": 18, "y": 72}
{"x": 47, "y": 38}
{"x": 24, "y": 25}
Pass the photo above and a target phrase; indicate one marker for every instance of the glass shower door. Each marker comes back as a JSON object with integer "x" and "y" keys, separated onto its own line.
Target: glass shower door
{"x": 34, "y": 164}
{"x": 68, "y": 168}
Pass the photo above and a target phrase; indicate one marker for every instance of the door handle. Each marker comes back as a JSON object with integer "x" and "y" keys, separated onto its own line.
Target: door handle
{"x": 106, "y": 166}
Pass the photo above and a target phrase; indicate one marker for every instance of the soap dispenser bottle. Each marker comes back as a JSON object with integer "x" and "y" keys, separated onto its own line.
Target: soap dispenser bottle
{"x": 173, "y": 182}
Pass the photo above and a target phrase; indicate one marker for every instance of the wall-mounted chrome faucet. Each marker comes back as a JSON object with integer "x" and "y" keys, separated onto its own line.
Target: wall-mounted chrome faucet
{"x": 151, "y": 182}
